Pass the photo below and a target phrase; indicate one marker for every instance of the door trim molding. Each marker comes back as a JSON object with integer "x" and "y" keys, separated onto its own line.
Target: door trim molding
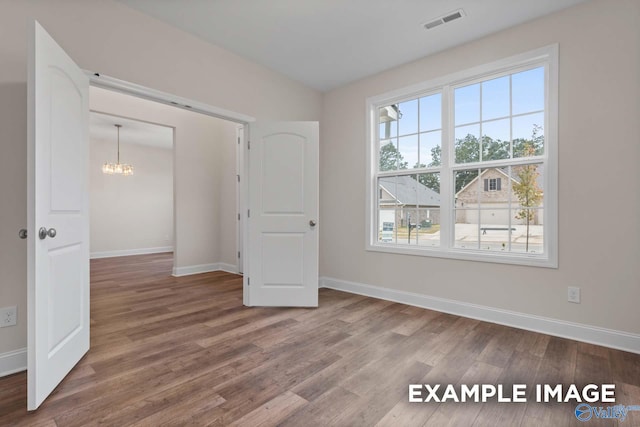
{"x": 619, "y": 340}
{"x": 111, "y": 83}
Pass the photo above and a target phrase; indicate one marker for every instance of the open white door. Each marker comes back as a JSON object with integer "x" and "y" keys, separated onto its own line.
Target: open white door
{"x": 283, "y": 214}
{"x": 58, "y": 216}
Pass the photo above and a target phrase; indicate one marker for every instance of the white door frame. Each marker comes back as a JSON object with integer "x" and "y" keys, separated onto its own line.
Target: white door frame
{"x": 111, "y": 83}
{"x": 239, "y": 201}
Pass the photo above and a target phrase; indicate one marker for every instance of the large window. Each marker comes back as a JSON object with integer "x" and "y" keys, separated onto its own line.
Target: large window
{"x": 465, "y": 167}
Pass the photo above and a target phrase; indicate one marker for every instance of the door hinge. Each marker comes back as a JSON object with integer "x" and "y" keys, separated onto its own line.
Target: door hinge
{"x": 238, "y": 254}
{"x": 248, "y": 213}
{"x": 238, "y": 178}
{"x": 248, "y": 145}
{"x": 238, "y": 140}
{"x": 238, "y": 217}
{"x": 248, "y": 281}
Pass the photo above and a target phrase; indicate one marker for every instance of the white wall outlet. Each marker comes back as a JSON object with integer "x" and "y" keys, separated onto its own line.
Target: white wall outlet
{"x": 573, "y": 294}
{"x": 8, "y": 316}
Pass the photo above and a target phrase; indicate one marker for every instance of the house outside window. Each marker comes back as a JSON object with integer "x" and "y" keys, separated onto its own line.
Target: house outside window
{"x": 466, "y": 166}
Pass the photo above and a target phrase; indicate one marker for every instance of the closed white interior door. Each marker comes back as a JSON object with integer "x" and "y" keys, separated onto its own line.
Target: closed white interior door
{"x": 58, "y": 206}
{"x": 283, "y": 214}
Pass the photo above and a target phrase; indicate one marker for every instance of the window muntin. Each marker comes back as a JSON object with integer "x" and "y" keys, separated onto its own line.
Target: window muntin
{"x": 489, "y": 125}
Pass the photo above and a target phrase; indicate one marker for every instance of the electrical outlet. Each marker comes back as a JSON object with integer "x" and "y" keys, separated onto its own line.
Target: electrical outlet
{"x": 8, "y": 316}
{"x": 573, "y": 294}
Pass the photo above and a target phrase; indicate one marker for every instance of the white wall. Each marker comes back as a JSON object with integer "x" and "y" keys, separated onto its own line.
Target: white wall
{"x": 13, "y": 211}
{"x": 134, "y": 213}
{"x": 105, "y": 36}
{"x": 599, "y": 151}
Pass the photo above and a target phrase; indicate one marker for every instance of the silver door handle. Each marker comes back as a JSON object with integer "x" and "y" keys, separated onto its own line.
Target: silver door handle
{"x": 312, "y": 223}
{"x": 22, "y": 233}
{"x": 43, "y": 233}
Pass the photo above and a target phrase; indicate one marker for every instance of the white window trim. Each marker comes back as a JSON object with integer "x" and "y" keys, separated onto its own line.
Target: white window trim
{"x": 547, "y": 56}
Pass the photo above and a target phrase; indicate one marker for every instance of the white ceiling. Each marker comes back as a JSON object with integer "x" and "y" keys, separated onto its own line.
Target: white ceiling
{"x": 328, "y": 43}
{"x": 102, "y": 127}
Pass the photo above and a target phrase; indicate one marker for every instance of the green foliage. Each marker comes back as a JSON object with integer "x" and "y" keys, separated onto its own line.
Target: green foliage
{"x": 436, "y": 156}
{"x": 391, "y": 158}
{"x": 467, "y": 149}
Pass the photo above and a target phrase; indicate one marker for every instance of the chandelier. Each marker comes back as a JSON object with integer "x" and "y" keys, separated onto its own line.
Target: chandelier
{"x": 117, "y": 168}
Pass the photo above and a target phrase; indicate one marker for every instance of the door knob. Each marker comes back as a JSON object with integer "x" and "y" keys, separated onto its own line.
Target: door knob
{"x": 43, "y": 233}
{"x": 312, "y": 223}
{"x": 22, "y": 233}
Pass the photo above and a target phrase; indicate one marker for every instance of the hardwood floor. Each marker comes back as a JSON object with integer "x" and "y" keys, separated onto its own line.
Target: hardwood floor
{"x": 184, "y": 351}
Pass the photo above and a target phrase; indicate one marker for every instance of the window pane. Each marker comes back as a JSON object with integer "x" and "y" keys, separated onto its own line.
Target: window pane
{"x": 407, "y": 231}
{"x": 389, "y": 155}
{"x": 387, "y": 204}
{"x": 495, "y": 189}
{"x": 408, "y": 157}
{"x": 467, "y": 144}
{"x": 527, "y": 185}
{"x": 431, "y": 112}
{"x": 528, "y": 91}
{"x": 388, "y": 121}
{"x": 466, "y": 188}
{"x": 467, "y": 204}
{"x": 529, "y": 234}
{"x": 467, "y": 104}
{"x": 466, "y": 229}
{"x": 408, "y": 122}
{"x": 495, "y": 98}
{"x": 428, "y": 227}
{"x": 430, "y": 151}
{"x": 495, "y": 229}
{"x": 528, "y": 135}
{"x": 428, "y": 190}
{"x": 495, "y": 140}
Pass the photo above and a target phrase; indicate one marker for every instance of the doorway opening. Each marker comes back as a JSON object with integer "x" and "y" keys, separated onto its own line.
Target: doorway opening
{"x": 130, "y": 186}
{"x": 206, "y": 192}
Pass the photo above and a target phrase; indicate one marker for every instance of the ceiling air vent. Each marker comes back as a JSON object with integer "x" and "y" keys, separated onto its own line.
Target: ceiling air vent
{"x": 452, "y": 16}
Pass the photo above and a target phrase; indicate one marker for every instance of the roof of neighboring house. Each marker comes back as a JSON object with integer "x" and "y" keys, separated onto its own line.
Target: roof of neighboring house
{"x": 503, "y": 171}
{"x": 406, "y": 191}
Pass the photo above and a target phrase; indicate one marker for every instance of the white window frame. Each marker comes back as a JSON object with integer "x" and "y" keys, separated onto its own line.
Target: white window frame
{"x": 493, "y": 181}
{"x": 545, "y": 56}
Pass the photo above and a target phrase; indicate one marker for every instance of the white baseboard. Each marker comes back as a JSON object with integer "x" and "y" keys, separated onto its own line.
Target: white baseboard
{"x": 204, "y": 268}
{"x": 576, "y": 331}
{"x": 229, "y": 268}
{"x": 128, "y": 252}
{"x": 13, "y": 361}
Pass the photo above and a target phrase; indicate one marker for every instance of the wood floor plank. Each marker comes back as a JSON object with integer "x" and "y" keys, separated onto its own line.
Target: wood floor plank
{"x": 185, "y": 352}
{"x": 452, "y": 414}
{"x": 273, "y": 412}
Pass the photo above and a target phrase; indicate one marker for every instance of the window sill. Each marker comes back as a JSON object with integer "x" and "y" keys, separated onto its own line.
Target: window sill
{"x": 469, "y": 255}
